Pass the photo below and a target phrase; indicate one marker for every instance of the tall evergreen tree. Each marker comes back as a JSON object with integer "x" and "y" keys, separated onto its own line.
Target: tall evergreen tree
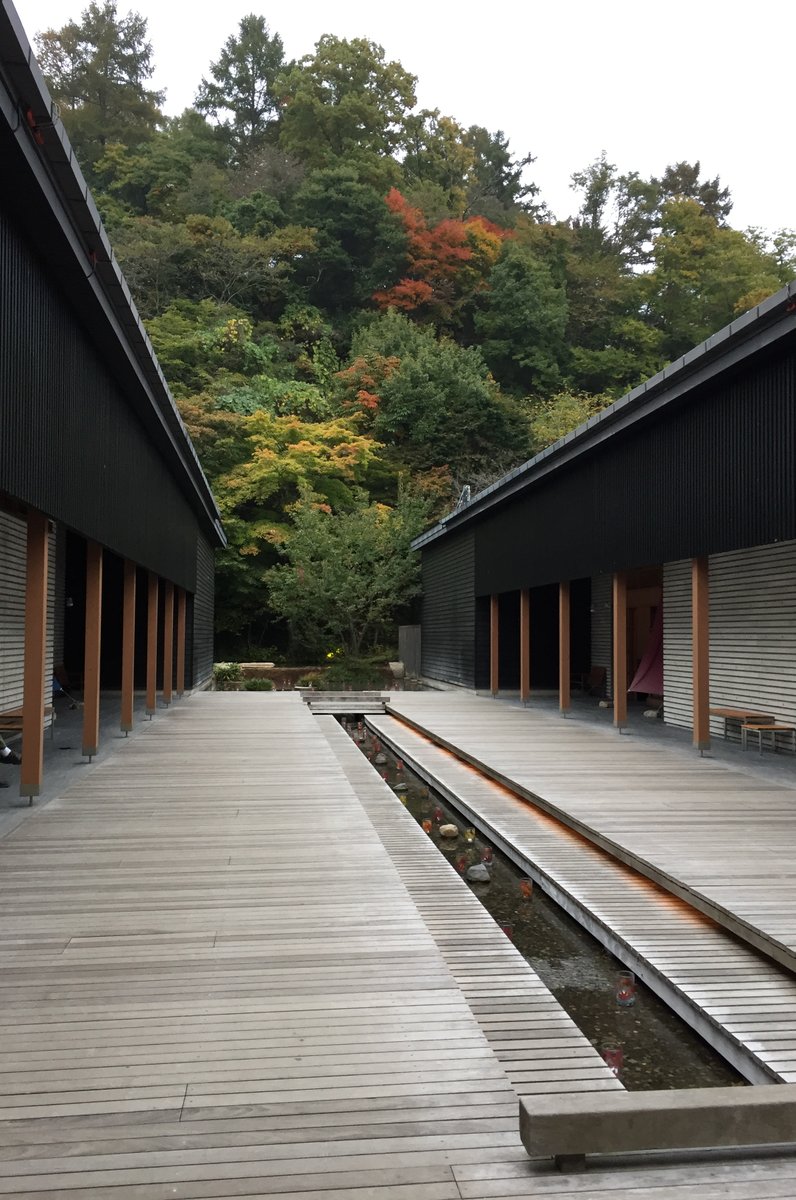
{"x": 242, "y": 93}
{"x": 97, "y": 69}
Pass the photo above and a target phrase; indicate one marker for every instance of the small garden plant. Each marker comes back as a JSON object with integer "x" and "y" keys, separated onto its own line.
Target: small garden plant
{"x": 225, "y": 674}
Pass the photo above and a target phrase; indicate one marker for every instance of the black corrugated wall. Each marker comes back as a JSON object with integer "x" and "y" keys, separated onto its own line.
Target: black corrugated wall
{"x": 448, "y": 616}
{"x": 716, "y": 472}
{"x": 71, "y": 444}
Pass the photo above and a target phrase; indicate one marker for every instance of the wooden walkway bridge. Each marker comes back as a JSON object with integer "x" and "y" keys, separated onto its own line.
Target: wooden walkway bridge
{"x": 739, "y": 1001}
{"x": 233, "y": 966}
{"x": 719, "y": 838}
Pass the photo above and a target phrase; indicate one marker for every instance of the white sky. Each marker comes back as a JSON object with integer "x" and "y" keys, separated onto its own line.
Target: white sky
{"x": 648, "y": 82}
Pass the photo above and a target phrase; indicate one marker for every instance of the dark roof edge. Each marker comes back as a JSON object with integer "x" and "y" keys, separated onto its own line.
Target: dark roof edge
{"x": 756, "y": 329}
{"x": 52, "y": 162}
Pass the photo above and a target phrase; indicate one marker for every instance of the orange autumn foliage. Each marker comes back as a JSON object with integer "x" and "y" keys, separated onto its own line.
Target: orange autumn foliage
{"x": 448, "y": 262}
{"x": 363, "y": 379}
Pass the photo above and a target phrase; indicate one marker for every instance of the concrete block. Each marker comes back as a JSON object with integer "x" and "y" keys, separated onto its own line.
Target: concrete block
{"x": 569, "y": 1126}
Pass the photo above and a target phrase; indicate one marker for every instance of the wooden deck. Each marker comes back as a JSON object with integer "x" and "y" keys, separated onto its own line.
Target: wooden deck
{"x": 224, "y": 974}
{"x": 739, "y": 1001}
{"x": 719, "y": 838}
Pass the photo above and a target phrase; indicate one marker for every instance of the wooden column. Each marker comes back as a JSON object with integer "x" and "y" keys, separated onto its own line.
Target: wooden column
{"x": 700, "y": 650}
{"x": 33, "y": 695}
{"x": 525, "y": 644}
{"x": 620, "y": 650}
{"x": 494, "y": 644}
{"x": 564, "y": 658}
{"x": 168, "y": 642}
{"x": 181, "y": 605}
{"x": 152, "y": 645}
{"x": 91, "y": 660}
{"x": 128, "y": 648}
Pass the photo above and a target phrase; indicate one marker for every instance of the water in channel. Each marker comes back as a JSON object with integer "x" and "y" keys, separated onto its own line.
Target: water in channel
{"x": 647, "y": 1044}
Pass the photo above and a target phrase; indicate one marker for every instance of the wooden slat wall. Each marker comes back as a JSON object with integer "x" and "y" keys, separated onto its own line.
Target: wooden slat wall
{"x": 752, "y": 634}
{"x": 601, "y": 630}
{"x": 203, "y": 613}
{"x": 677, "y": 706}
{"x": 12, "y": 608}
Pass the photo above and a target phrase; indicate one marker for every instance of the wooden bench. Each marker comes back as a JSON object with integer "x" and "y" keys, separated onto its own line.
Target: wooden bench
{"x": 11, "y": 720}
{"x": 568, "y": 1127}
{"x": 774, "y": 728}
{"x": 741, "y": 715}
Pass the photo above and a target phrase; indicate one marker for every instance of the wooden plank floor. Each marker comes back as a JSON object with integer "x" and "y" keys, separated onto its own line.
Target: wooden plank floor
{"x": 215, "y": 982}
{"x": 540, "y": 1047}
{"x": 720, "y": 838}
{"x": 737, "y": 998}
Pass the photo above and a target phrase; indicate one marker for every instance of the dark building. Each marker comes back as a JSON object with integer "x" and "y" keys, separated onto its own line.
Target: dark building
{"x": 652, "y": 550}
{"x": 107, "y": 524}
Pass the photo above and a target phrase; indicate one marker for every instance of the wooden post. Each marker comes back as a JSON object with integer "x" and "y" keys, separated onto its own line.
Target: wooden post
{"x": 525, "y": 644}
{"x": 700, "y": 650}
{"x": 168, "y": 642}
{"x": 564, "y": 656}
{"x": 128, "y": 648}
{"x": 181, "y": 604}
{"x": 31, "y": 771}
{"x": 152, "y": 646}
{"x": 620, "y": 650}
{"x": 494, "y": 644}
{"x": 91, "y": 661}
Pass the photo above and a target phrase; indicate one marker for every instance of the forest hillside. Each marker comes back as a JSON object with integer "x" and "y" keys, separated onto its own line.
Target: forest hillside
{"x": 362, "y": 307}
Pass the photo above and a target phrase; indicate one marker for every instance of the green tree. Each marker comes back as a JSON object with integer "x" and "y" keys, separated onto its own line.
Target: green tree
{"x": 346, "y": 574}
{"x": 495, "y": 183}
{"x": 345, "y": 102}
{"x": 277, "y": 457}
{"x": 557, "y": 416}
{"x": 439, "y": 406}
{"x": 704, "y": 275}
{"x": 97, "y": 69}
{"x": 179, "y": 171}
{"x": 242, "y": 93}
{"x": 437, "y": 157}
{"x": 522, "y": 323}
{"x": 359, "y": 244}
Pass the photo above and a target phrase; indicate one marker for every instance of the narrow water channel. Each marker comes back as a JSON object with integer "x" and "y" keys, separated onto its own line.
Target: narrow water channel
{"x": 647, "y": 1044}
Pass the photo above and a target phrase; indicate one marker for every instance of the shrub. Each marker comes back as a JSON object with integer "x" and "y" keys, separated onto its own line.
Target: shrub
{"x": 313, "y": 681}
{"x": 258, "y": 685}
{"x": 226, "y": 673}
{"x": 356, "y": 673}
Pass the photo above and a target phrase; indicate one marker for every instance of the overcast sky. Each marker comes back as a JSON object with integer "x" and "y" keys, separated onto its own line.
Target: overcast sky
{"x": 649, "y": 83}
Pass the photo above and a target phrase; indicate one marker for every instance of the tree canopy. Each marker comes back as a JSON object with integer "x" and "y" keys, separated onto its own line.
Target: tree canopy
{"x": 362, "y": 305}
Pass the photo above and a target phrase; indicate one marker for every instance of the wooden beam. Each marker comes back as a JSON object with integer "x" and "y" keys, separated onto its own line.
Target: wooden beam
{"x": 620, "y": 649}
{"x": 152, "y": 645}
{"x": 564, "y": 653}
{"x": 128, "y": 648}
{"x": 700, "y": 650}
{"x": 168, "y": 642}
{"x": 494, "y": 644}
{"x": 525, "y": 644}
{"x": 33, "y": 694}
{"x": 91, "y": 658}
{"x": 181, "y": 607}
